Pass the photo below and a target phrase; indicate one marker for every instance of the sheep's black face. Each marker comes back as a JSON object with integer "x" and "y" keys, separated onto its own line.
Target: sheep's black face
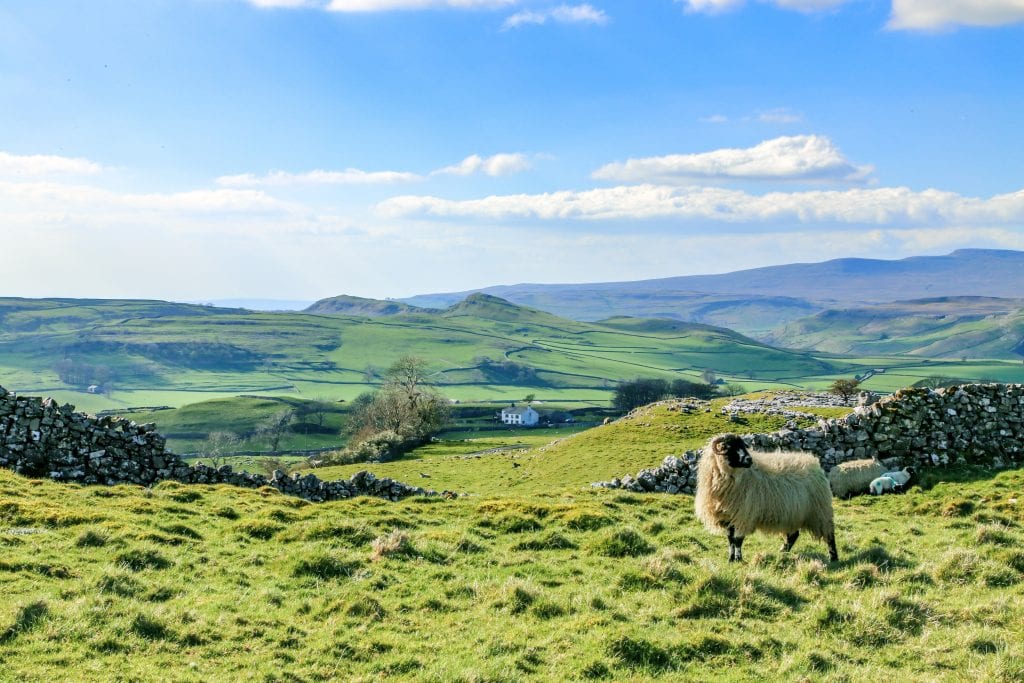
{"x": 733, "y": 449}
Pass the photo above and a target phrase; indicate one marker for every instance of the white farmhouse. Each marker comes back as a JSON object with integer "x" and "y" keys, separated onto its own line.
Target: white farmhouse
{"x": 524, "y": 415}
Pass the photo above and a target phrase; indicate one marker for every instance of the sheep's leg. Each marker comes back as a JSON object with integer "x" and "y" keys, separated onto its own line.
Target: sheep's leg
{"x": 790, "y": 540}
{"x": 735, "y": 546}
{"x": 833, "y": 554}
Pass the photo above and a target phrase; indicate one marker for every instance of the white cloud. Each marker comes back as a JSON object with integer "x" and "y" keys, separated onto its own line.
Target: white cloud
{"x": 34, "y": 165}
{"x": 56, "y": 197}
{"x": 496, "y": 165}
{"x": 797, "y": 157}
{"x": 715, "y": 118}
{"x": 878, "y": 206}
{"x": 350, "y": 176}
{"x": 940, "y": 14}
{"x": 719, "y": 6}
{"x": 563, "y": 14}
{"x": 780, "y": 115}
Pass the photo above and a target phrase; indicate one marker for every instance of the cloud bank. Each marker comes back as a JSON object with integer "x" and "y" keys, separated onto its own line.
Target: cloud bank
{"x": 871, "y": 207}
{"x": 796, "y": 157}
{"x": 33, "y": 165}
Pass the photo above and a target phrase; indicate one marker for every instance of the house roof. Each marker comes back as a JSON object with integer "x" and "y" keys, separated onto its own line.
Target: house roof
{"x": 517, "y": 410}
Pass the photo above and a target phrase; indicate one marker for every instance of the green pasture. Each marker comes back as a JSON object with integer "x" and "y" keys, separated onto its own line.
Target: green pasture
{"x": 213, "y": 583}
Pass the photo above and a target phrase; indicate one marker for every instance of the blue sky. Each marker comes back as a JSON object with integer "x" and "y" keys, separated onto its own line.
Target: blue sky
{"x": 294, "y": 149}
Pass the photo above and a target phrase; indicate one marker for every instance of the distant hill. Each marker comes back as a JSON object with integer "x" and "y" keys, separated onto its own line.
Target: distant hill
{"x": 482, "y": 347}
{"x": 755, "y": 301}
{"x": 355, "y": 305}
{"x": 942, "y": 327}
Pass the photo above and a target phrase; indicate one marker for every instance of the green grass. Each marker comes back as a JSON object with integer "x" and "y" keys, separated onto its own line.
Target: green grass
{"x": 586, "y": 585}
{"x": 187, "y": 428}
{"x": 549, "y": 462}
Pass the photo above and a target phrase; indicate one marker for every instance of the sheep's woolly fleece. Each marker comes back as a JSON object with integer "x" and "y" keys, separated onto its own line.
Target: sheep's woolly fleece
{"x": 781, "y": 493}
{"x": 854, "y": 476}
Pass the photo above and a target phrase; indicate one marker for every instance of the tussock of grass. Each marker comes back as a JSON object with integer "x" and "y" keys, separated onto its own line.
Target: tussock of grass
{"x": 324, "y": 566}
{"x": 622, "y": 543}
{"x": 395, "y": 544}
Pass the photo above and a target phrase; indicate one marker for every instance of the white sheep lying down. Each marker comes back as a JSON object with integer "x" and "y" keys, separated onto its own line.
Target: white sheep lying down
{"x": 854, "y": 476}
{"x": 739, "y": 492}
{"x": 895, "y": 482}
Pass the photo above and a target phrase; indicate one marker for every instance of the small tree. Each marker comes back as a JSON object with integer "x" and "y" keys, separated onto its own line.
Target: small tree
{"x": 733, "y": 389}
{"x": 218, "y": 445}
{"x": 318, "y": 409}
{"x": 709, "y": 376}
{"x": 274, "y": 427}
{"x": 845, "y": 388}
{"x": 530, "y": 398}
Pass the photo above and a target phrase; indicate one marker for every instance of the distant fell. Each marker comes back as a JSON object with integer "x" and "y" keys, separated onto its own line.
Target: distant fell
{"x": 754, "y": 301}
{"x": 345, "y": 304}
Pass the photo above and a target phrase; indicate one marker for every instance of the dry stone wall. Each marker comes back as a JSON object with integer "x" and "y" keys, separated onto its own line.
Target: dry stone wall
{"x": 980, "y": 424}
{"x": 39, "y": 438}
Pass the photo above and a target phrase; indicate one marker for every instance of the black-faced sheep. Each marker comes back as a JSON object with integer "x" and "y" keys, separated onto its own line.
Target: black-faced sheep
{"x": 739, "y": 492}
{"x": 849, "y": 478}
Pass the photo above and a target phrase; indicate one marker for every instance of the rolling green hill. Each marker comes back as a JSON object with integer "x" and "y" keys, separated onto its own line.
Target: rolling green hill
{"x": 945, "y": 327}
{"x": 159, "y": 353}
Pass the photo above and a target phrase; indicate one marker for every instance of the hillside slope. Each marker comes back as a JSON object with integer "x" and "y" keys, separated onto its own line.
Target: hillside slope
{"x": 946, "y": 327}
{"x": 484, "y": 347}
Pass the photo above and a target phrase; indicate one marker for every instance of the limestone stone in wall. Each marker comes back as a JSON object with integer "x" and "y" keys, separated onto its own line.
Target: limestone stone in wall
{"x": 980, "y": 424}
{"x": 39, "y": 438}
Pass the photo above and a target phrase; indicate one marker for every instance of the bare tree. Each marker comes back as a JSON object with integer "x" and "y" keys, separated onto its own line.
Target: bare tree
{"x": 274, "y": 427}
{"x": 218, "y": 445}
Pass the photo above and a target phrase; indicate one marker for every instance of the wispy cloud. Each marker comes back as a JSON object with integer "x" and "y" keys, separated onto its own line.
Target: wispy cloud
{"x": 563, "y": 14}
{"x": 796, "y": 157}
{"x": 349, "y": 176}
{"x": 719, "y": 6}
{"x": 878, "y": 206}
{"x": 378, "y": 5}
{"x": 783, "y": 115}
{"x": 780, "y": 115}
{"x": 496, "y": 165}
{"x": 931, "y": 15}
{"x": 34, "y": 165}
{"x": 66, "y": 197}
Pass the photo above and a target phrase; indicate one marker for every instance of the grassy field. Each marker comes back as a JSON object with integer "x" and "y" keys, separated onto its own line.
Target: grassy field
{"x": 218, "y": 584}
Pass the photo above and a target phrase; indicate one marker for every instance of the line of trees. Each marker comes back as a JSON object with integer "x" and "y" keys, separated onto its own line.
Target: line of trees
{"x": 641, "y": 391}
